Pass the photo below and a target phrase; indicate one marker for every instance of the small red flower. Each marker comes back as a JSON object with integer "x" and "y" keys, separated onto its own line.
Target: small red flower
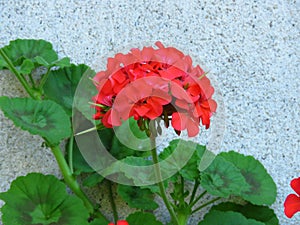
{"x": 292, "y": 202}
{"x": 150, "y": 83}
{"x": 120, "y": 222}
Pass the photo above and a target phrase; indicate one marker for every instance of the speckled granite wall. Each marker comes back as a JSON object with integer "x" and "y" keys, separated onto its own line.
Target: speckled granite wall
{"x": 250, "y": 47}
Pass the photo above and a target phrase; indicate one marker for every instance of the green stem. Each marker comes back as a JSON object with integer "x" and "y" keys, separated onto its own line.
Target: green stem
{"x": 31, "y": 80}
{"x": 70, "y": 153}
{"x": 44, "y": 79}
{"x": 182, "y": 189}
{"x": 160, "y": 183}
{"x": 22, "y": 80}
{"x": 183, "y": 218}
{"x": 196, "y": 185}
{"x": 205, "y": 204}
{"x": 70, "y": 180}
{"x": 112, "y": 201}
{"x": 198, "y": 198}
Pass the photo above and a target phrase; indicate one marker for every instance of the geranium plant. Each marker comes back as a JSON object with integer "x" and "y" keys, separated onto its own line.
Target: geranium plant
{"x": 127, "y": 103}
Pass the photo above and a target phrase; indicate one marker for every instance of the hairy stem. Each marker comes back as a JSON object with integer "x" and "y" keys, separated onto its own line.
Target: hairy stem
{"x": 196, "y": 185}
{"x": 158, "y": 174}
{"x": 22, "y": 80}
{"x": 198, "y": 198}
{"x": 70, "y": 154}
{"x": 31, "y": 80}
{"x": 205, "y": 204}
{"x": 70, "y": 180}
{"x": 44, "y": 79}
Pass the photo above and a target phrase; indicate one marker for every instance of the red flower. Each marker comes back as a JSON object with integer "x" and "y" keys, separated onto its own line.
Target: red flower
{"x": 292, "y": 202}
{"x": 120, "y": 222}
{"x": 150, "y": 83}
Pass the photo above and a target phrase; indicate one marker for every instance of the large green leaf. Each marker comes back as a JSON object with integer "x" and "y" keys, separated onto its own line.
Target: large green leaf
{"x": 263, "y": 188}
{"x": 215, "y": 217}
{"x": 260, "y": 213}
{"x": 223, "y": 179}
{"x": 39, "y": 199}
{"x": 28, "y": 49}
{"x": 62, "y": 83}
{"x": 137, "y": 197}
{"x": 142, "y": 218}
{"x": 45, "y": 118}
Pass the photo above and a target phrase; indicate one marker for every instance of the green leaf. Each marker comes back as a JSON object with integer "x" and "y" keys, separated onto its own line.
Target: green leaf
{"x": 260, "y": 213}
{"x": 183, "y": 157}
{"x": 92, "y": 180}
{"x": 223, "y": 179}
{"x": 26, "y": 67}
{"x": 98, "y": 221}
{"x": 215, "y": 217}
{"x": 62, "y": 83}
{"x": 41, "y": 199}
{"x": 137, "y": 197}
{"x": 64, "y": 62}
{"x": 79, "y": 163}
{"x": 262, "y": 187}
{"x": 142, "y": 218}
{"x": 28, "y": 49}
{"x": 190, "y": 170}
{"x": 44, "y": 118}
{"x": 134, "y": 169}
{"x": 61, "y": 63}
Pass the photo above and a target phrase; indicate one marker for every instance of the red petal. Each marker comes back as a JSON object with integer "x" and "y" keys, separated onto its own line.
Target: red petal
{"x": 122, "y": 222}
{"x": 192, "y": 128}
{"x": 155, "y": 109}
{"x": 99, "y": 77}
{"x": 212, "y": 105}
{"x": 295, "y": 184}
{"x": 171, "y": 73}
{"x": 291, "y": 205}
{"x": 162, "y": 100}
{"x": 179, "y": 121}
{"x": 141, "y": 110}
{"x": 179, "y": 93}
{"x": 106, "y": 120}
{"x": 182, "y": 104}
{"x": 111, "y": 224}
{"x": 194, "y": 90}
{"x": 159, "y": 44}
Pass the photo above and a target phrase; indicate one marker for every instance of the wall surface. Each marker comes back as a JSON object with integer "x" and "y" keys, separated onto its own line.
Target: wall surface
{"x": 250, "y": 47}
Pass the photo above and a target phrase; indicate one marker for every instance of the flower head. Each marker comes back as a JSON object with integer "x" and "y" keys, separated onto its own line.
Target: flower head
{"x": 150, "y": 83}
{"x": 292, "y": 202}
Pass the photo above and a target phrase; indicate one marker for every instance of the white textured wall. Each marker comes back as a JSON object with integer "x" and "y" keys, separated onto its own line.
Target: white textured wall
{"x": 251, "y": 47}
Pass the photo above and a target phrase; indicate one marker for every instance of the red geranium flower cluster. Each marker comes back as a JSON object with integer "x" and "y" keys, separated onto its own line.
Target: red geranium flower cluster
{"x": 151, "y": 83}
{"x": 292, "y": 202}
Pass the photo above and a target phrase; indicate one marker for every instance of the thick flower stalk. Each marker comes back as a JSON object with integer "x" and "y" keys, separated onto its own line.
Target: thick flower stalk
{"x": 154, "y": 83}
{"x": 292, "y": 202}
